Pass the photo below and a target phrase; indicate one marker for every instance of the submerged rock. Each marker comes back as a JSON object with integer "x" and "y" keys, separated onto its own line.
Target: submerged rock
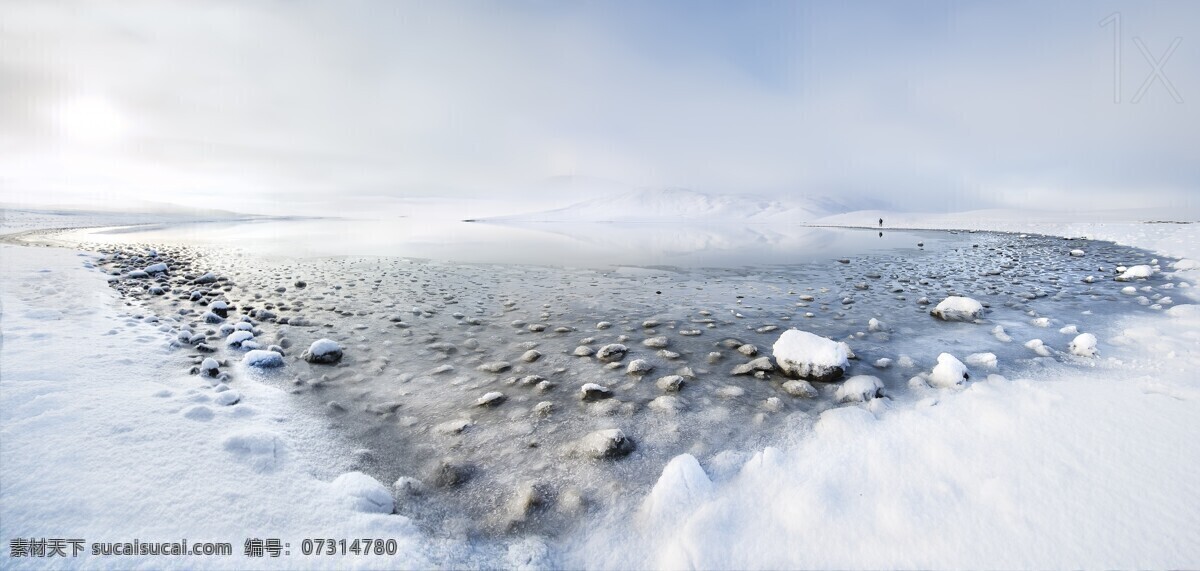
{"x": 605, "y": 444}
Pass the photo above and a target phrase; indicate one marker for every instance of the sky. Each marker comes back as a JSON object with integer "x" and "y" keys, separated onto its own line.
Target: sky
{"x": 299, "y": 107}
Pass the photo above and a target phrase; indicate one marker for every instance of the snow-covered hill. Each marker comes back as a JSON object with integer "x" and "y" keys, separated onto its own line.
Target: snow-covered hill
{"x": 674, "y": 204}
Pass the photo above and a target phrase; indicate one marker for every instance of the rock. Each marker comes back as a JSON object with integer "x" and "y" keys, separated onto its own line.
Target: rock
{"x": 262, "y": 359}
{"x": 958, "y": 308}
{"x": 543, "y": 408}
{"x": 210, "y": 317}
{"x": 209, "y": 367}
{"x": 237, "y": 338}
{"x": 803, "y": 355}
{"x": 949, "y": 372}
{"x": 748, "y": 350}
{"x": 659, "y": 342}
{"x": 531, "y": 356}
{"x": 1084, "y": 345}
{"x": 592, "y": 392}
{"x": 155, "y": 268}
{"x": 860, "y": 388}
{"x": 605, "y": 444}
{"x": 583, "y": 351}
{"x": 455, "y": 426}
{"x": 670, "y": 383}
{"x": 323, "y": 352}
{"x": 638, "y": 367}
{"x": 603, "y": 325}
{"x": 1077, "y": 253}
{"x": 450, "y": 475}
{"x": 801, "y": 389}
{"x": 207, "y": 278}
{"x": 612, "y": 352}
{"x": 495, "y": 367}
{"x": 491, "y": 399}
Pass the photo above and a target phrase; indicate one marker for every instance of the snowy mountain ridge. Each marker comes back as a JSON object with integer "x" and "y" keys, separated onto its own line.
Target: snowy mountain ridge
{"x": 673, "y": 204}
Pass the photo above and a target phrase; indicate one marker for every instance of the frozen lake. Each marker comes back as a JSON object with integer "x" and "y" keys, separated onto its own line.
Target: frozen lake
{"x": 434, "y": 318}
{"x": 559, "y": 244}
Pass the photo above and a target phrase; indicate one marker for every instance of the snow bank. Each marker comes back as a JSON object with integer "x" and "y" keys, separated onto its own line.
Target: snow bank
{"x": 807, "y": 356}
{"x": 158, "y": 446}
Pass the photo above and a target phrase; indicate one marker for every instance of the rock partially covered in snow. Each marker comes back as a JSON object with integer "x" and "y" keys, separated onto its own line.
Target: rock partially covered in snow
{"x": 800, "y": 389}
{"x": 363, "y": 493}
{"x": 1186, "y": 265}
{"x": 949, "y": 372}
{"x": 1136, "y": 273}
{"x": 1084, "y": 345}
{"x": 860, "y": 388}
{"x": 262, "y": 359}
{"x": 155, "y": 268}
{"x": 605, "y": 444}
{"x": 804, "y": 355}
{"x": 958, "y": 308}
{"x": 612, "y": 352}
{"x": 323, "y": 351}
{"x": 594, "y": 392}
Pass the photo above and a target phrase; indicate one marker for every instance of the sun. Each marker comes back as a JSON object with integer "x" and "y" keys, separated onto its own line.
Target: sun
{"x": 90, "y": 119}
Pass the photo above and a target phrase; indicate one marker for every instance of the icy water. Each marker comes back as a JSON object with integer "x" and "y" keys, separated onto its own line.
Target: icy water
{"x": 427, "y": 337}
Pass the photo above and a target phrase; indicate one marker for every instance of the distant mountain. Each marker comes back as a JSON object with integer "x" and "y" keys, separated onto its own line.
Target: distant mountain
{"x": 664, "y": 205}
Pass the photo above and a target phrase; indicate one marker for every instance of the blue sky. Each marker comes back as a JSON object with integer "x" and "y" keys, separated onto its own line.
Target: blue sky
{"x": 289, "y": 106}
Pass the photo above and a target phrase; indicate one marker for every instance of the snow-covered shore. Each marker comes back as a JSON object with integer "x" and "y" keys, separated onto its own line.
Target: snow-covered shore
{"x": 105, "y": 437}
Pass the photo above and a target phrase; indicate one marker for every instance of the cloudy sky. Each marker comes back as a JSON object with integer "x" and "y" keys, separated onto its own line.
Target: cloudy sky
{"x": 293, "y": 106}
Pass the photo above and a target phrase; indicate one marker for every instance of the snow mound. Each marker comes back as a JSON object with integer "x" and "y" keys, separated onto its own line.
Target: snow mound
{"x": 363, "y": 493}
{"x": 949, "y": 372}
{"x": 860, "y": 388}
{"x": 682, "y": 486}
{"x": 263, "y": 359}
{"x": 1084, "y": 345}
{"x": 985, "y": 360}
{"x": 958, "y": 308}
{"x": 1186, "y": 265}
{"x": 1136, "y": 273}
{"x": 804, "y": 355}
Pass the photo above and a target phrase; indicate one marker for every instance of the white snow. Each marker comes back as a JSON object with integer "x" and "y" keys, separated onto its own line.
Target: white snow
{"x": 136, "y": 449}
{"x": 363, "y": 493}
{"x": 949, "y": 372}
{"x": 1039, "y": 347}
